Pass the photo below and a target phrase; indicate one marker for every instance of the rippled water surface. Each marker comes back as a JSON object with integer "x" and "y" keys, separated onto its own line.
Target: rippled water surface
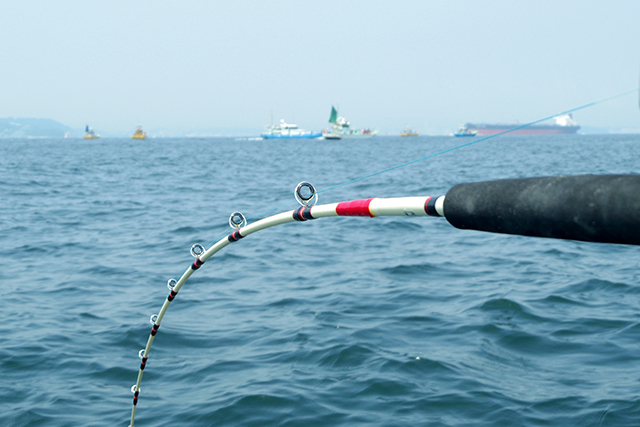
{"x": 334, "y": 322}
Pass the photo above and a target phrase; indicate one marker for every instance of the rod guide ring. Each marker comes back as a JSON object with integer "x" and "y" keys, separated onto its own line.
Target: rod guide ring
{"x": 306, "y": 194}
{"x": 237, "y": 220}
{"x": 197, "y": 250}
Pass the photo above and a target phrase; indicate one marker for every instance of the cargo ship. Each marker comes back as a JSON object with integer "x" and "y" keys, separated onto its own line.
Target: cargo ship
{"x": 564, "y": 124}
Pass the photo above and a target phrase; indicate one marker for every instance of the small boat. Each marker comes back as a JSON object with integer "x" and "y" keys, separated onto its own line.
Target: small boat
{"x": 288, "y": 131}
{"x": 89, "y": 133}
{"x": 464, "y": 131}
{"x": 331, "y": 135}
{"x": 139, "y": 134}
{"x": 408, "y": 132}
{"x": 343, "y": 128}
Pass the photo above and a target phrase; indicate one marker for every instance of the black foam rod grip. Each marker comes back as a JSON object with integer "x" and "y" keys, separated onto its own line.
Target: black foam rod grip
{"x": 593, "y": 208}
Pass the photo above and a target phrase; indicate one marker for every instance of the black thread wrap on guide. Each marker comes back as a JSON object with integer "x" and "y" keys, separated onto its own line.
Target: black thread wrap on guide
{"x": 302, "y": 214}
{"x": 197, "y": 264}
{"x": 235, "y": 236}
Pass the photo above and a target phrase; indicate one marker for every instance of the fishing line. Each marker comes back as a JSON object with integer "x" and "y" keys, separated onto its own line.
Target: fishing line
{"x": 402, "y": 206}
{"x": 439, "y": 153}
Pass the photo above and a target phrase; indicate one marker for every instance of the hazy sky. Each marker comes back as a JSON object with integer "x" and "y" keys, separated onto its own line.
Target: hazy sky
{"x": 211, "y": 64}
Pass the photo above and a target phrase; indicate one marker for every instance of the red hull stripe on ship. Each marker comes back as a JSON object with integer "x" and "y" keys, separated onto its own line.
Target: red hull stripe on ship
{"x": 354, "y": 208}
{"x": 523, "y": 131}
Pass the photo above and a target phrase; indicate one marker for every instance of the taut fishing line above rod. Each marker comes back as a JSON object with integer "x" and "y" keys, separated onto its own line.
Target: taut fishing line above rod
{"x": 602, "y": 209}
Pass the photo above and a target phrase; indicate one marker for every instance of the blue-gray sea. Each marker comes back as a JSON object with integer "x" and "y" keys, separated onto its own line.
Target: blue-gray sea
{"x": 334, "y": 322}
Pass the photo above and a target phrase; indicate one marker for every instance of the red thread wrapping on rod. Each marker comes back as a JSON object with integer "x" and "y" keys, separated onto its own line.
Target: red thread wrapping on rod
{"x": 354, "y": 208}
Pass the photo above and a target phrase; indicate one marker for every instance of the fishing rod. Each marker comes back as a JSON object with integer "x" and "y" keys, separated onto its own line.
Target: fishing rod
{"x": 592, "y": 208}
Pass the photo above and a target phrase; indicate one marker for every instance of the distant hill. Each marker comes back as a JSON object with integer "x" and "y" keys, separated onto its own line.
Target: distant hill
{"x": 14, "y": 127}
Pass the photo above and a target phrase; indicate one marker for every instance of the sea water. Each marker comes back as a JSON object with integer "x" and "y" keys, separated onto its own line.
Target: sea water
{"x": 335, "y": 322}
